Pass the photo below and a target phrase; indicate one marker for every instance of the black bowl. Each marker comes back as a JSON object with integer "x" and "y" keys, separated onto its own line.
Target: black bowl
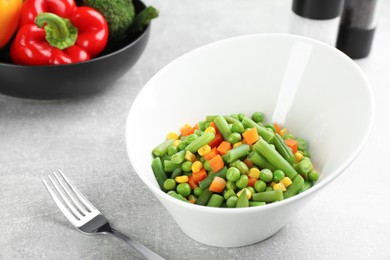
{"x": 70, "y": 80}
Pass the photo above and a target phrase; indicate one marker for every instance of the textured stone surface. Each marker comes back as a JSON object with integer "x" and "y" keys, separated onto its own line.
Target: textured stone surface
{"x": 84, "y": 137}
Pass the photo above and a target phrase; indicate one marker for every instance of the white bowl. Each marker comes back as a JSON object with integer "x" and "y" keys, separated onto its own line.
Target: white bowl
{"x": 333, "y": 109}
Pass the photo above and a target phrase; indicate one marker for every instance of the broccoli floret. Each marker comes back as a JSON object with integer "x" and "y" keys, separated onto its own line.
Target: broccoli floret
{"x": 119, "y": 15}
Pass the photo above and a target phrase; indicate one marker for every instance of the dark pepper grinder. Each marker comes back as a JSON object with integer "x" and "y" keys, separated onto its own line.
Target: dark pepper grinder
{"x": 357, "y": 28}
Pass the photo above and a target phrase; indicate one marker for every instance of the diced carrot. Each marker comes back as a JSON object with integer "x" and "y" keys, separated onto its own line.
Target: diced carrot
{"x": 277, "y": 128}
{"x": 192, "y": 201}
{"x": 251, "y": 136}
{"x": 293, "y": 144}
{"x": 200, "y": 175}
{"x": 251, "y": 181}
{"x": 248, "y": 163}
{"x": 224, "y": 147}
{"x": 211, "y": 154}
{"x": 196, "y": 127}
{"x": 192, "y": 182}
{"x": 216, "y": 163}
{"x": 216, "y": 141}
{"x": 186, "y": 130}
{"x": 217, "y": 185}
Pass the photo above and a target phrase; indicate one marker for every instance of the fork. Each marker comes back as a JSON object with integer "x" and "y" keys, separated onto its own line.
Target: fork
{"x": 84, "y": 216}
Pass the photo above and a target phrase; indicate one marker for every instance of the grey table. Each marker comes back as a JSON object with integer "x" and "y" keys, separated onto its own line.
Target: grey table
{"x": 84, "y": 137}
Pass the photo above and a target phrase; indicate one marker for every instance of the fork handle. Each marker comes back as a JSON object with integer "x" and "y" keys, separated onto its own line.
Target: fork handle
{"x": 146, "y": 252}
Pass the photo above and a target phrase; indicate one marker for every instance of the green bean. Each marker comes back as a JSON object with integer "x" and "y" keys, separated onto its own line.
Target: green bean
{"x": 202, "y": 125}
{"x": 182, "y": 145}
{"x": 176, "y": 172}
{"x": 222, "y": 126}
{"x": 204, "y": 197}
{"x": 241, "y": 116}
{"x": 170, "y": 166}
{"x": 295, "y": 187}
{"x": 313, "y": 175}
{"x": 206, "y": 182}
{"x": 162, "y": 148}
{"x": 192, "y": 137}
{"x": 159, "y": 172}
{"x": 231, "y": 185}
{"x": 283, "y": 149}
{"x": 262, "y": 131}
{"x": 229, "y": 119}
{"x": 237, "y": 127}
{"x": 236, "y": 153}
{"x": 172, "y": 150}
{"x": 271, "y": 127}
{"x": 304, "y": 166}
{"x": 259, "y": 160}
{"x": 177, "y": 196}
{"x": 178, "y": 157}
{"x": 256, "y": 203}
{"x": 243, "y": 201}
{"x": 241, "y": 166}
{"x": 268, "y": 196}
{"x": 265, "y": 149}
{"x": 258, "y": 117}
{"x": 202, "y": 140}
{"x": 228, "y": 193}
{"x": 306, "y": 185}
{"x": 215, "y": 201}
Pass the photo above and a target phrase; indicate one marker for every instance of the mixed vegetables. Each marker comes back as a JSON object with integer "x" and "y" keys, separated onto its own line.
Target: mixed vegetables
{"x": 233, "y": 161}
{"x": 49, "y": 32}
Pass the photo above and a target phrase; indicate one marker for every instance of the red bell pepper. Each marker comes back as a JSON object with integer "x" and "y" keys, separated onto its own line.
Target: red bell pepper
{"x": 58, "y": 32}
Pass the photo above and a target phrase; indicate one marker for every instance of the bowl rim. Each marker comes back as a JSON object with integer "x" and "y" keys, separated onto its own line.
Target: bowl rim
{"x": 318, "y": 186}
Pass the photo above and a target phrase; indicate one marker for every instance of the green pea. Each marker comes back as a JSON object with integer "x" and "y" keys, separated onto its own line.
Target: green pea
{"x": 169, "y": 184}
{"x": 260, "y": 186}
{"x": 270, "y": 126}
{"x": 183, "y": 189}
{"x": 258, "y": 117}
{"x": 238, "y": 127}
{"x": 231, "y": 202}
{"x": 234, "y": 138}
{"x": 251, "y": 189}
{"x": 313, "y": 175}
{"x": 288, "y": 136}
{"x": 233, "y": 174}
{"x": 197, "y": 191}
{"x": 186, "y": 166}
{"x": 198, "y": 132}
{"x": 242, "y": 182}
{"x": 269, "y": 188}
{"x": 266, "y": 175}
{"x": 278, "y": 175}
{"x": 241, "y": 166}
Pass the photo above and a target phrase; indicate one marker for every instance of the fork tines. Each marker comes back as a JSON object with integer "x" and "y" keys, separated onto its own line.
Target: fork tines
{"x": 68, "y": 198}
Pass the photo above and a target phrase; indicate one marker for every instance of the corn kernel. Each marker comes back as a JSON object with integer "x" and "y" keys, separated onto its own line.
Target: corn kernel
{"x": 298, "y": 156}
{"x": 210, "y": 129}
{"x": 254, "y": 173}
{"x": 286, "y": 181}
{"x": 248, "y": 193}
{"x": 172, "y": 135}
{"x": 283, "y": 131}
{"x": 279, "y": 186}
{"x": 190, "y": 156}
{"x": 204, "y": 150}
{"x": 176, "y": 143}
{"x": 196, "y": 166}
{"x": 237, "y": 144}
{"x": 181, "y": 179}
